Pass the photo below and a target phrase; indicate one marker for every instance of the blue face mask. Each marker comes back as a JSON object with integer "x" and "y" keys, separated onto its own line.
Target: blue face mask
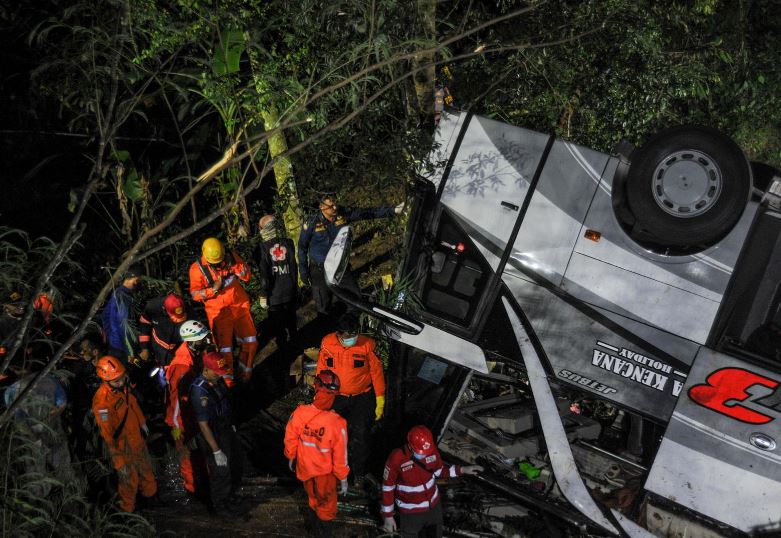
{"x": 349, "y": 342}
{"x": 418, "y": 456}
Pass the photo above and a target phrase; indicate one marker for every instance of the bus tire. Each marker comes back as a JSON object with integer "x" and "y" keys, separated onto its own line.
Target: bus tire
{"x": 686, "y": 188}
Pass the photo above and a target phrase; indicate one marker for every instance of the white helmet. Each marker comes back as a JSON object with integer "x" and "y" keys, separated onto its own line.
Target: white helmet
{"x": 193, "y": 331}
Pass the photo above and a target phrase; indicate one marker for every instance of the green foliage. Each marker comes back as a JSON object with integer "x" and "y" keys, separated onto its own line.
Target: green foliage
{"x": 64, "y": 510}
{"x": 399, "y": 296}
{"x": 645, "y": 66}
{"x": 21, "y": 257}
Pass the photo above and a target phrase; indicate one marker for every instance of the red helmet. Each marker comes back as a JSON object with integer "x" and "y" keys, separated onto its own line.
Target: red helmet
{"x": 174, "y": 307}
{"x": 215, "y": 361}
{"x": 327, "y": 381}
{"x": 421, "y": 440}
{"x": 109, "y": 368}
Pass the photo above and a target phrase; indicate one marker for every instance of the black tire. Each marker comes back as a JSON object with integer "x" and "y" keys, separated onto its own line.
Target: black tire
{"x": 686, "y": 189}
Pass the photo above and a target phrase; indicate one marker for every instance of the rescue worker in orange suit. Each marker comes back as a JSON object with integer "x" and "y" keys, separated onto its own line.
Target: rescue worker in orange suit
{"x": 361, "y": 398}
{"x": 217, "y": 440}
{"x": 215, "y": 280}
{"x": 123, "y": 427}
{"x": 179, "y": 376}
{"x": 410, "y": 482}
{"x": 159, "y": 324}
{"x": 316, "y": 448}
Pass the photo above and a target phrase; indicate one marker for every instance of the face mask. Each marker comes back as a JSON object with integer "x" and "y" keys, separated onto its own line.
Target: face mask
{"x": 418, "y": 456}
{"x": 349, "y": 342}
{"x": 201, "y": 345}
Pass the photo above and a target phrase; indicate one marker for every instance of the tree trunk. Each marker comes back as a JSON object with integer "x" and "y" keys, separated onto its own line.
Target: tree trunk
{"x": 425, "y": 76}
{"x": 283, "y": 172}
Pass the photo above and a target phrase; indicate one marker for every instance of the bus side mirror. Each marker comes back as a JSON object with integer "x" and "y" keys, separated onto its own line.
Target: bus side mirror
{"x": 338, "y": 258}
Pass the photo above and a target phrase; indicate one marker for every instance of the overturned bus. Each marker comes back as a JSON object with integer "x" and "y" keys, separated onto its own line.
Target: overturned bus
{"x": 601, "y": 332}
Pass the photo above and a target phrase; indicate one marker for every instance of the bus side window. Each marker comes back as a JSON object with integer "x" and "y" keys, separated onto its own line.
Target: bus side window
{"x": 458, "y": 275}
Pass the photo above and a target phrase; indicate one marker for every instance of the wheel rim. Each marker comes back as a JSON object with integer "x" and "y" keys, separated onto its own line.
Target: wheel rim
{"x": 686, "y": 184}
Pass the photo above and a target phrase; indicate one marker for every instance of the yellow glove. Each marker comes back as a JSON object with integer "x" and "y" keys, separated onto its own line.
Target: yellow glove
{"x": 380, "y": 407}
{"x": 176, "y": 433}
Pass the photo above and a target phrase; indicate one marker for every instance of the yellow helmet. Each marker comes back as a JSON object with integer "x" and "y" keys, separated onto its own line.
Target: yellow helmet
{"x": 213, "y": 250}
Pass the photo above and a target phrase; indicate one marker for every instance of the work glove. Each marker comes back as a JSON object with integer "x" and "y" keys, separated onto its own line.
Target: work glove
{"x": 135, "y": 361}
{"x": 471, "y": 469}
{"x": 176, "y": 433}
{"x": 389, "y": 524}
{"x": 343, "y": 489}
{"x": 161, "y": 377}
{"x": 263, "y": 303}
{"x": 291, "y": 464}
{"x": 144, "y": 355}
{"x": 399, "y": 208}
{"x": 144, "y": 430}
{"x": 378, "y": 411}
{"x": 220, "y": 458}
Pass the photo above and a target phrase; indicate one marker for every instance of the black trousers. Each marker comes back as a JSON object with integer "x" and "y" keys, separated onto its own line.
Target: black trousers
{"x": 358, "y": 411}
{"x": 428, "y": 523}
{"x": 320, "y": 291}
{"x": 282, "y": 325}
{"x": 222, "y": 480}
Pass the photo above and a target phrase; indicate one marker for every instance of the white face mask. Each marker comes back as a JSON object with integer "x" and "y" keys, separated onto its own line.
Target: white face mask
{"x": 349, "y": 342}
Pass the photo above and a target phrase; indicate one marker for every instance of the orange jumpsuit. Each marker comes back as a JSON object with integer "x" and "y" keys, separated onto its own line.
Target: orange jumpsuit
{"x": 359, "y": 371}
{"x": 228, "y": 309}
{"x": 317, "y": 440}
{"x": 180, "y": 375}
{"x": 357, "y": 367}
{"x": 126, "y": 445}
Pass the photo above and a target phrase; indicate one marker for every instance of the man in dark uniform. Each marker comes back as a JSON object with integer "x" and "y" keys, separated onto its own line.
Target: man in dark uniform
{"x": 216, "y": 439}
{"x": 318, "y": 233}
{"x": 83, "y": 385}
{"x": 276, "y": 258}
{"x": 160, "y": 323}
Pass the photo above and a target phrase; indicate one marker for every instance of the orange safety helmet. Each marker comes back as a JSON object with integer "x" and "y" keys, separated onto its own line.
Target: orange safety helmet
{"x": 109, "y": 368}
{"x": 421, "y": 440}
{"x": 327, "y": 381}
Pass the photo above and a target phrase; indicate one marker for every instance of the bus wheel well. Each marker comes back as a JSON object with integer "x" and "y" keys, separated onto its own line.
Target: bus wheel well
{"x": 683, "y": 190}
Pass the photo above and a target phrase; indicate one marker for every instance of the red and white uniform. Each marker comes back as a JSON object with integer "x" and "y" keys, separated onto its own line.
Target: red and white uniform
{"x": 411, "y": 484}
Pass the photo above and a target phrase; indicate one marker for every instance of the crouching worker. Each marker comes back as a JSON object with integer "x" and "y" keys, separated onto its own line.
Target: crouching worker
{"x": 409, "y": 482}
{"x": 123, "y": 427}
{"x": 217, "y": 441}
{"x": 316, "y": 446}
